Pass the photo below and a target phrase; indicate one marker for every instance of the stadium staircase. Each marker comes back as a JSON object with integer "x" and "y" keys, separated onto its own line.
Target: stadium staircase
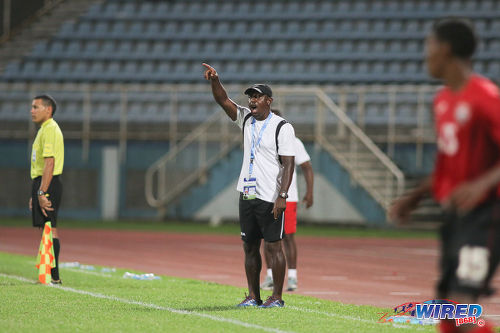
{"x": 173, "y": 175}
{"x": 45, "y": 24}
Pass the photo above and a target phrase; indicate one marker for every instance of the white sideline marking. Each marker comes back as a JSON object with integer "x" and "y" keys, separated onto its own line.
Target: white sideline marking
{"x": 222, "y": 319}
{"x": 330, "y": 314}
{"x": 351, "y": 318}
{"x": 152, "y": 306}
{"x": 405, "y": 293}
{"x": 87, "y": 272}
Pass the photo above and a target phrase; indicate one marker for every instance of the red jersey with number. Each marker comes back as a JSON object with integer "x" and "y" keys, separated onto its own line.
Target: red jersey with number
{"x": 468, "y": 134}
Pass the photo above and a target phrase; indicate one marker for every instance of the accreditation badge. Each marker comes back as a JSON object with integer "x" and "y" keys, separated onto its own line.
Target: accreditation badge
{"x": 249, "y": 188}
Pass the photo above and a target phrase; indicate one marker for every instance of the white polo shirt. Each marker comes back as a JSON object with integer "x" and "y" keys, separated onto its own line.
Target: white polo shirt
{"x": 266, "y": 167}
{"x": 301, "y": 156}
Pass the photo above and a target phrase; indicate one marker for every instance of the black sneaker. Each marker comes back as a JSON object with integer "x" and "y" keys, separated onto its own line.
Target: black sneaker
{"x": 53, "y": 282}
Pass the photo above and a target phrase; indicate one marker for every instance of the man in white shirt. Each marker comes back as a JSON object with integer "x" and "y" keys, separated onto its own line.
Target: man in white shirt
{"x": 303, "y": 159}
{"x": 266, "y": 175}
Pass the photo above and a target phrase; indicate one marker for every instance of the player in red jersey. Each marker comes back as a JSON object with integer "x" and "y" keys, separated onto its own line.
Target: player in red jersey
{"x": 466, "y": 175}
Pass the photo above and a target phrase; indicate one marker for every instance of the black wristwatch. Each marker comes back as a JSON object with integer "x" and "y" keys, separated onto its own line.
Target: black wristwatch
{"x": 40, "y": 193}
{"x": 284, "y": 195}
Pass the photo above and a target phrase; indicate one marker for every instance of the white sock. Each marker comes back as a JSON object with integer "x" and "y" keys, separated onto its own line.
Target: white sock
{"x": 292, "y": 273}
{"x": 270, "y": 273}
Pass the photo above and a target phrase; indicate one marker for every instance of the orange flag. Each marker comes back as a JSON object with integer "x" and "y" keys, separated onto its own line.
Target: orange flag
{"x": 45, "y": 259}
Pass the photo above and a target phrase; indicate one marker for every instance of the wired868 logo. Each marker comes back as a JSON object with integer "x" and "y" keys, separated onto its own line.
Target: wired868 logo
{"x": 430, "y": 312}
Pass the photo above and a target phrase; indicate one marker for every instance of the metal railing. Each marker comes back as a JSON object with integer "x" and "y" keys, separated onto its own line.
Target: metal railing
{"x": 337, "y": 118}
{"x": 164, "y": 183}
{"x": 188, "y": 162}
{"x": 414, "y": 127}
{"x": 358, "y": 154}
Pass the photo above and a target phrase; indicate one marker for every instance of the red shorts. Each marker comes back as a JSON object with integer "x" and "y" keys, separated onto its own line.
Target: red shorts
{"x": 291, "y": 218}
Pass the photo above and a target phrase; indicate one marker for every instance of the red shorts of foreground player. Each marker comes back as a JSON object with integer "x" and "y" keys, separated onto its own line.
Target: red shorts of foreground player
{"x": 291, "y": 218}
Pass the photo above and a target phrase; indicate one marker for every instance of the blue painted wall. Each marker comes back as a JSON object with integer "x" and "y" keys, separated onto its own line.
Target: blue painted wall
{"x": 141, "y": 155}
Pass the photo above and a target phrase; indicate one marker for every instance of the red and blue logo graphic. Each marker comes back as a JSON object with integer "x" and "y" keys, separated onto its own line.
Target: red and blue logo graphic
{"x": 431, "y": 311}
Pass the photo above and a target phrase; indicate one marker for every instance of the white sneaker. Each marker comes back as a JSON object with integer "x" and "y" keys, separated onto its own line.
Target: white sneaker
{"x": 292, "y": 284}
{"x": 267, "y": 284}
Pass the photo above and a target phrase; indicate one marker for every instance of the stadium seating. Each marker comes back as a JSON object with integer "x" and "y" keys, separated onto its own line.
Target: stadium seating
{"x": 278, "y": 41}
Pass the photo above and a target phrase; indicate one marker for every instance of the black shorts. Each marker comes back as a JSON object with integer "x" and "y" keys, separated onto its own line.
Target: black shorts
{"x": 470, "y": 251}
{"x": 257, "y": 221}
{"x": 55, "y": 194}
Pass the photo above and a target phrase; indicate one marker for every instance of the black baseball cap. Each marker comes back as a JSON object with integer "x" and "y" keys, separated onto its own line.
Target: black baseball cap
{"x": 260, "y": 88}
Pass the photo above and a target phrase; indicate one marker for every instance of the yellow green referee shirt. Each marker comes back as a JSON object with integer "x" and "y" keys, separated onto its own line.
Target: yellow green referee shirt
{"x": 49, "y": 142}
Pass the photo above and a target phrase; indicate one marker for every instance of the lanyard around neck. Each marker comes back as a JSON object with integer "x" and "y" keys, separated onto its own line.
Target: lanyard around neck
{"x": 255, "y": 145}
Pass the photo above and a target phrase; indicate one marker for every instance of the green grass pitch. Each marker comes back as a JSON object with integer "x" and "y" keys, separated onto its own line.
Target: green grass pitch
{"x": 106, "y": 302}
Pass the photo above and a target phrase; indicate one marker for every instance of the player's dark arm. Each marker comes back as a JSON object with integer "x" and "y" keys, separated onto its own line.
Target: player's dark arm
{"x": 403, "y": 206}
{"x": 288, "y": 167}
{"x": 219, "y": 93}
{"x": 468, "y": 195}
{"x": 288, "y": 163}
{"x": 48, "y": 171}
{"x": 307, "y": 170}
{"x": 491, "y": 179}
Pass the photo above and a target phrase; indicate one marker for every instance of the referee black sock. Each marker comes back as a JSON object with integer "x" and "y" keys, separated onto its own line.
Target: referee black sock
{"x": 55, "y": 271}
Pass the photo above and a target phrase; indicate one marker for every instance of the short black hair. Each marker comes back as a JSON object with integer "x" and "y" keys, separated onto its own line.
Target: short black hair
{"x": 48, "y": 100}
{"x": 459, "y": 33}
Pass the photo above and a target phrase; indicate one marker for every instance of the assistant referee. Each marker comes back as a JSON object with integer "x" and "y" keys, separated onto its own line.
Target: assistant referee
{"x": 47, "y": 160}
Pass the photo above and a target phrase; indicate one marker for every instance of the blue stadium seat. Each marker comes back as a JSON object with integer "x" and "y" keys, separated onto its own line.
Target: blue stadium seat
{"x": 108, "y": 47}
{"x": 487, "y": 5}
{"x": 56, "y": 47}
{"x": 91, "y": 47}
{"x": 80, "y": 67}
{"x": 146, "y": 8}
{"x": 124, "y": 48}
{"x": 101, "y": 27}
{"x": 74, "y": 49}
{"x": 320, "y": 41}
{"x": 129, "y": 7}
{"x": 40, "y": 48}
{"x": 111, "y": 7}
{"x": 113, "y": 68}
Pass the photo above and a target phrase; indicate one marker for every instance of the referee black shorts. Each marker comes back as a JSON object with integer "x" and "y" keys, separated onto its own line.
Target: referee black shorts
{"x": 470, "y": 250}
{"x": 257, "y": 221}
{"x": 55, "y": 194}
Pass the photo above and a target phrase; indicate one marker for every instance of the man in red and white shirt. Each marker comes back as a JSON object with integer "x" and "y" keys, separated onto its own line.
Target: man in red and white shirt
{"x": 466, "y": 175}
{"x": 302, "y": 159}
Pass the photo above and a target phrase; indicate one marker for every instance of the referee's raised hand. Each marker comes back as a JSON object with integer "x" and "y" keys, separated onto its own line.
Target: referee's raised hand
{"x": 210, "y": 72}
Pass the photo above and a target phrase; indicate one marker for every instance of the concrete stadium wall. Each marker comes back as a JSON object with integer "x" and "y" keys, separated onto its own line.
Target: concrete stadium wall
{"x": 82, "y": 179}
{"x": 337, "y": 199}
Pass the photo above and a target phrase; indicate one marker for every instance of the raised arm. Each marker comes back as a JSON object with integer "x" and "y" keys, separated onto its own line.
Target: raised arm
{"x": 219, "y": 92}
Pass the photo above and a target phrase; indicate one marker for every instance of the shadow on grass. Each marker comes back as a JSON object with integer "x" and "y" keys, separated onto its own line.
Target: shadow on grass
{"x": 213, "y": 308}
